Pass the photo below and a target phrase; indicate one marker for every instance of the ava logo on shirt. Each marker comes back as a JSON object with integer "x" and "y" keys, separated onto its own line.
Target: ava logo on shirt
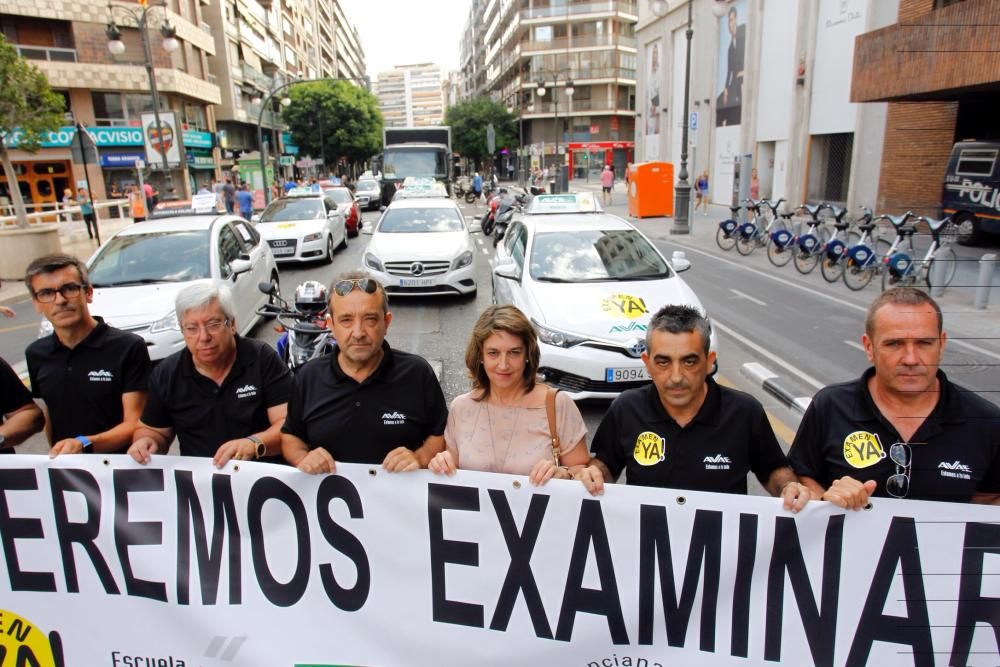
{"x": 649, "y": 449}
{"x": 393, "y": 418}
{"x": 100, "y": 376}
{"x": 246, "y": 391}
{"x": 717, "y": 462}
{"x": 955, "y": 469}
{"x": 863, "y": 449}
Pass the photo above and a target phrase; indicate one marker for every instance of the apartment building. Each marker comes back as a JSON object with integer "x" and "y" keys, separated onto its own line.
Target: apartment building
{"x": 472, "y": 53}
{"x": 260, "y": 46}
{"x": 583, "y": 55}
{"x": 108, "y": 93}
{"x": 411, "y": 95}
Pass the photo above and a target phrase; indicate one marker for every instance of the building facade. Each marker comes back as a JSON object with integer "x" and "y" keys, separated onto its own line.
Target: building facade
{"x": 583, "y": 56}
{"x": 108, "y": 95}
{"x": 938, "y": 71}
{"x": 411, "y": 95}
{"x": 260, "y": 47}
{"x": 770, "y": 87}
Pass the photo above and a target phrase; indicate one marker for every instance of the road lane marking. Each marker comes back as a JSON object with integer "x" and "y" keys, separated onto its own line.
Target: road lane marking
{"x": 781, "y": 429}
{"x": 856, "y": 345}
{"x": 805, "y": 377}
{"x": 744, "y": 295}
{"x": 18, "y": 327}
{"x": 823, "y": 295}
{"x": 485, "y": 251}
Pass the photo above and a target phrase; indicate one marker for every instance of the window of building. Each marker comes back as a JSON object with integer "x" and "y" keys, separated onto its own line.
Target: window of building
{"x": 941, "y": 4}
{"x": 829, "y": 167}
{"x": 194, "y": 117}
{"x": 107, "y": 108}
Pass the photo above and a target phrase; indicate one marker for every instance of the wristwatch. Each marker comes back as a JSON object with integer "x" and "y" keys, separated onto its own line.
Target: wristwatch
{"x": 261, "y": 450}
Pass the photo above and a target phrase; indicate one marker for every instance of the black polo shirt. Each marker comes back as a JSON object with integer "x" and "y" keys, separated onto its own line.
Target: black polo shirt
{"x": 13, "y": 395}
{"x": 83, "y": 387}
{"x": 729, "y": 437}
{"x": 203, "y": 414}
{"x": 955, "y": 452}
{"x": 400, "y": 403}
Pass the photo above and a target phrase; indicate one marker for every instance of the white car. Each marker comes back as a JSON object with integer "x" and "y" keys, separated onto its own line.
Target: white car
{"x": 590, "y": 282}
{"x": 139, "y": 271}
{"x": 422, "y": 247}
{"x": 303, "y": 226}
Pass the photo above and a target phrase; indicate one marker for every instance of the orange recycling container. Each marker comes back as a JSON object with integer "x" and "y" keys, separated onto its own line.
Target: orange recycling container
{"x": 651, "y": 190}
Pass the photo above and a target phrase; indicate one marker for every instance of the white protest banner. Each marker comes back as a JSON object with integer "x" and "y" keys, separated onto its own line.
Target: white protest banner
{"x": 177, "y": 564}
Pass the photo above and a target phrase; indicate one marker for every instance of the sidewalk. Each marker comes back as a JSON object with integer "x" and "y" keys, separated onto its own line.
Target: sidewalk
{"x": 73, "y": 237}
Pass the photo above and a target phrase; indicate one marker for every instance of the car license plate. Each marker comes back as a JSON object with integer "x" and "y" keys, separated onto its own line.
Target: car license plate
{"x": 282, "y": 251}
{"x": 416, "y": 282}
{"x": 632, "y": 374}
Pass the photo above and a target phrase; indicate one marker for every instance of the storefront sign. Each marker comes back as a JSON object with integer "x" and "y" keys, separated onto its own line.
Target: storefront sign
{"x": 196, "y": 139}
{"x": 287, "y": 160}
{"x": 121, "y": 160}
{"x": 200, "y": 161}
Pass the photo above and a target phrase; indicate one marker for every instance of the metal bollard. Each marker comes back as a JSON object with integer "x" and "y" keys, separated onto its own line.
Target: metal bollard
{"x": 986, "y": 264}
{"x": 937, "y": 277}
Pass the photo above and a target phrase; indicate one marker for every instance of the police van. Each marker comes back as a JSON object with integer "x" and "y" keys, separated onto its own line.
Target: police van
{"x": 972, "y": 190}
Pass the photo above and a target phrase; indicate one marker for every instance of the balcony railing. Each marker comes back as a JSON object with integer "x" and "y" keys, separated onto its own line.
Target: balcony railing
{"x": 576, "y": 8}
{"x": 53, "y": 53}
{"x": 256, "y": 78}
{"x": 547, "y": 108}
{"x": 580, "y": 74}
{"x": 580, "y": 41}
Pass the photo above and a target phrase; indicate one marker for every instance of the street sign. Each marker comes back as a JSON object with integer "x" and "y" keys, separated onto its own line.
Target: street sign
{"x": 693, "y": 124}
{"x": 491, "y": 139}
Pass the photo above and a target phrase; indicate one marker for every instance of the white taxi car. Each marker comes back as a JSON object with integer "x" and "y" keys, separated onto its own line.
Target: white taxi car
{"x": 422, "y": 246}
{"x": 138, "y": 272}
{"x": 303, "y": 226}
{"x": 590, "y": 282}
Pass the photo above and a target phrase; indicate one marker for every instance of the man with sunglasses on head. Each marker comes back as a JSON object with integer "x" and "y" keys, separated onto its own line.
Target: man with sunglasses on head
{"x": 92, "y": 377}
{"x": 223, "y": 395}
{"x": 365, "y": 403}
{"x": 903, "y": 429}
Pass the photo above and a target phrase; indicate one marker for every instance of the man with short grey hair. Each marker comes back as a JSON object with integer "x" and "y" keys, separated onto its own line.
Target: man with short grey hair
{"x": 685, "y": 431}
{"x": 223, "y": 395}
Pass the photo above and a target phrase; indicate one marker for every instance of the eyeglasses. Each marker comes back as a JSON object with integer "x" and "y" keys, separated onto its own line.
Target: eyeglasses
{"x": 211, "y": 327}
{"x": 68, "y": 291}
{"x": 898, "y": 485}
{"x": 344, "y": 287}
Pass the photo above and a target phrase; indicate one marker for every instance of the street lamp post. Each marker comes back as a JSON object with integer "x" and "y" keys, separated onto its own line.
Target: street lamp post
{"x": 260, "y": 119}
{"x": 170, "y": 44}
{"x": 556, "y": 77}
{"x": 520, "y": 136}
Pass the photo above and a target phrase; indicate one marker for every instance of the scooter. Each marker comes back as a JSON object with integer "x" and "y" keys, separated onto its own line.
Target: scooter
{"x": 489, "y": 217}
{"x": 505, "y": 215}
{"x": 304, "y": 335}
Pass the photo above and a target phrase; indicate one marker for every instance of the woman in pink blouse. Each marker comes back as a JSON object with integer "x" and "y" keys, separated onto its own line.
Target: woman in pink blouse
{"x": 501, "y": 425}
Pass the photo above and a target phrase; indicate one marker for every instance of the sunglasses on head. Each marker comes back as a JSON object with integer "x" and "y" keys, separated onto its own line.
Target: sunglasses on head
{"x": 344, "y": 287}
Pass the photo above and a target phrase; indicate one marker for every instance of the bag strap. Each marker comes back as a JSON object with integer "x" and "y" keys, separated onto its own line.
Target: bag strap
{"x": 550, "y": 410}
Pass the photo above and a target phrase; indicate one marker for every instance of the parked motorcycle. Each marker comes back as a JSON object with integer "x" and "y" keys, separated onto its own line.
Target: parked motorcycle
{"x": 304, "y": 331}
{"x": 508, "y": 206}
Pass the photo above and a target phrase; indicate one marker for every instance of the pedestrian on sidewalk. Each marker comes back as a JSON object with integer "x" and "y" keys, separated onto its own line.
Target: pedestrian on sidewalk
{"x": 67, "y": 202}
{"x": 137, "y": 203}
{"x": 245, "y": 200}
{"x": 607, "y": 182}
{"x": 701, "y": 192}
{"x": 229, "y": 196}
{"x": 754, "y": 185}
{"x": 87, "y": 210}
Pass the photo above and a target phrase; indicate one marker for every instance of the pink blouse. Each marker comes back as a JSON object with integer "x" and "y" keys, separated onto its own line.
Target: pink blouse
{"x": 491, "y": 438}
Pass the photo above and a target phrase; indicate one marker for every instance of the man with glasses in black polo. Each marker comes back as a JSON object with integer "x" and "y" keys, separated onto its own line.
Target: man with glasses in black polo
{"x": 367, "y": 403}
{"x": 92, "y": 377}
{"x": 223, "y": 395}
{"x": 903, "y": 429}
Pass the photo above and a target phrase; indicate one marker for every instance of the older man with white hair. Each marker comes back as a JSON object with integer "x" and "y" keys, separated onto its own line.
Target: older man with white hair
{"x": 223, "y": 395}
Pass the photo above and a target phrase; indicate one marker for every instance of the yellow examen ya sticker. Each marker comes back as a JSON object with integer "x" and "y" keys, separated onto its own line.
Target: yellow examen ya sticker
{"x": 649, "y": 449}
{"x": 863, "y": 449}
{"x": 286, "y": 225}
{"x": 624, "y": 305}
{"x": 23, "y": 643}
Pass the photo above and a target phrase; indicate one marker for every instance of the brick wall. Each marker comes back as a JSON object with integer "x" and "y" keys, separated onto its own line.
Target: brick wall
{"x": 918, "y": 141}
{"x": 911, "y": 9}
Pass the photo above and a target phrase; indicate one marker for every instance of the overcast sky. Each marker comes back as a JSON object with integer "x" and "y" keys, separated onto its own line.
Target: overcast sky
{"x": 404, "y": 32}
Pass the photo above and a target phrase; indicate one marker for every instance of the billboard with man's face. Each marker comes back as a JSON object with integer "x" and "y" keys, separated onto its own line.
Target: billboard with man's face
{"x": 729, "y": 77}
{"x": 651, "y": 107}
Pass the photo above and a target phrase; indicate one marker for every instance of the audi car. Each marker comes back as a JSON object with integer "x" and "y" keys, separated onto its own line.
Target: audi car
{"x": 422, "y": 247}
{"x": 303, "y": 226}
{"x": 590, "y": 282}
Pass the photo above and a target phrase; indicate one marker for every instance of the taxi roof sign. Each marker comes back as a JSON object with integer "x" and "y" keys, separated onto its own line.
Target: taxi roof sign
{"x": 205, "y": 204}
{"x": 573, "y": 202}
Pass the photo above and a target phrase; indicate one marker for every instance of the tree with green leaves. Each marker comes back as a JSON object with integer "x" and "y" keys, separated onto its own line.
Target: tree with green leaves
{"x": 468, "y": 121}
{"x": 333, "y": 119}
{"x": 28, "y": 109}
